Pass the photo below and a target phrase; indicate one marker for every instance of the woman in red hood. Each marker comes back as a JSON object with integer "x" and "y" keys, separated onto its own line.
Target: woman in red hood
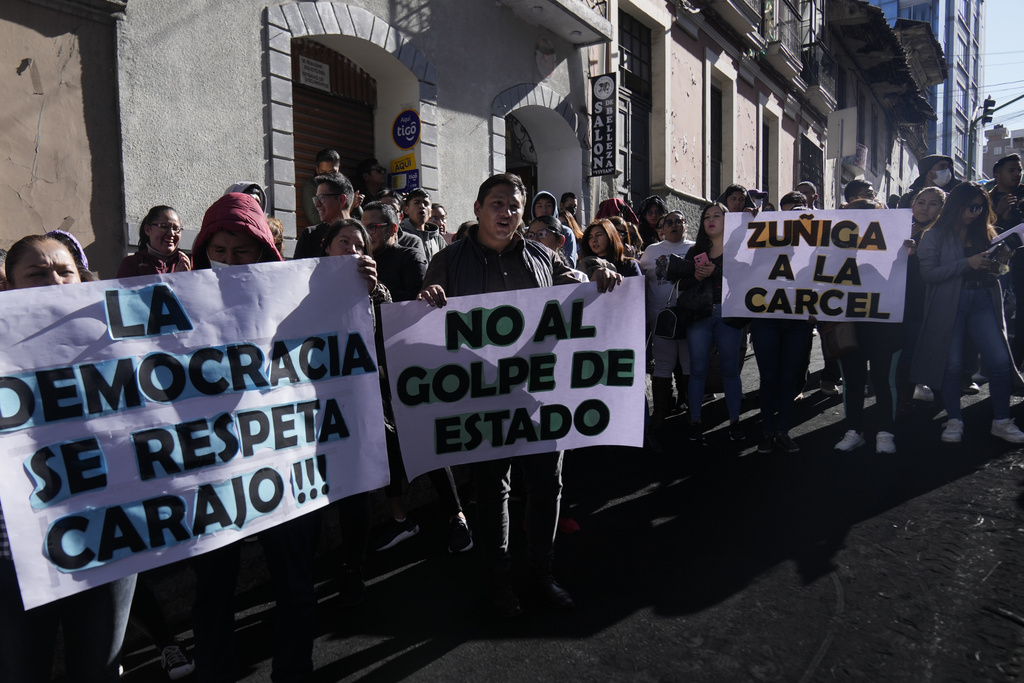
{"x": 234, "y": 233}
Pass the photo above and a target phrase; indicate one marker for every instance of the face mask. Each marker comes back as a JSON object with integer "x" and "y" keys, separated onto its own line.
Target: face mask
{"x": 942, "y": 178}
{"x": 217, "y": 265}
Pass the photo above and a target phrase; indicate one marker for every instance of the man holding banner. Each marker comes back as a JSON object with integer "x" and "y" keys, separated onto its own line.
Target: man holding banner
{"x": 496, "y": 258}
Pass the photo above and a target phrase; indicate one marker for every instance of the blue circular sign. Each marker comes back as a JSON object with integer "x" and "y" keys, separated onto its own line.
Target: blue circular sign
{"x": 406, "y": 129}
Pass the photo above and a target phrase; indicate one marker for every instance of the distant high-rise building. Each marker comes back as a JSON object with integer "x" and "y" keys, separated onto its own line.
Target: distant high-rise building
{"x": 959, "y": 25}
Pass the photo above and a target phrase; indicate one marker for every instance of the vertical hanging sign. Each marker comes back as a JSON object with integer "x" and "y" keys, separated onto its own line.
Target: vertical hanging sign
{"x": 603, "y": 116}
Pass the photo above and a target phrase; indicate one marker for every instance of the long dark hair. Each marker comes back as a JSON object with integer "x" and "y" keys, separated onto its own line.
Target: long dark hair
{"x": 150, "y": 217}
{"x": 703, "y": 241}
{"x": 980, "y": 230}
{"x": 23, "y": 246}
{"x": 614, "y": 243}
{"x": 338, "y": 226}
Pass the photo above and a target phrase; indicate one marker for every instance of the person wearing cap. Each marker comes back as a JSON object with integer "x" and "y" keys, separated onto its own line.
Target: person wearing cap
{"x": 934, "y": 170}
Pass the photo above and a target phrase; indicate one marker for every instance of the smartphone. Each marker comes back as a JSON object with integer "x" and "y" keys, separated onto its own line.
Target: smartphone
{"x": 701, "y": 258}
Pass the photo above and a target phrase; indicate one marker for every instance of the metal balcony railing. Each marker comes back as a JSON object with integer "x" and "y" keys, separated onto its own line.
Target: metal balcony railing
{"x": 819, "y": 68}
{"x": 754, "y": 5}
{"x": 782, "y": 24}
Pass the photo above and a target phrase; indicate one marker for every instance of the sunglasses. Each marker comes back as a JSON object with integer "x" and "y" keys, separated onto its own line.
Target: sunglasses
{"x": 976, "y": 208}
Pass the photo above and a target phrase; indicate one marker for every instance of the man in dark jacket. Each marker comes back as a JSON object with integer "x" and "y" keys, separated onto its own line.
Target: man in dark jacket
{"x": 333, "y": 200}
{"x": 494, "y": 257}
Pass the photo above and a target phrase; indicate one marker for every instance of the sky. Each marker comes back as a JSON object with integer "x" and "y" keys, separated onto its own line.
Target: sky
{"x": 1004, "y": 60}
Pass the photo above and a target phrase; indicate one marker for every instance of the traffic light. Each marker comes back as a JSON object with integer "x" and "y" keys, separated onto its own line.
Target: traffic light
{"x": 986, "y": 112}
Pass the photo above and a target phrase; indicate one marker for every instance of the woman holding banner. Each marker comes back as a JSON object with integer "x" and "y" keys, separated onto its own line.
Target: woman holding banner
{"x": 94, "y": 620}
{"x": 878, "y": 348}
{"x": 702, "y": 269}
{"x": 963, "y": 298}
{"x": 601, "y": 241}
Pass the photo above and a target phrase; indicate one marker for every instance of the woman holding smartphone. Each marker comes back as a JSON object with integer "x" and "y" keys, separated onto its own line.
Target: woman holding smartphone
{"x": 962, "y": 298}
{"x": 702, "y": 267}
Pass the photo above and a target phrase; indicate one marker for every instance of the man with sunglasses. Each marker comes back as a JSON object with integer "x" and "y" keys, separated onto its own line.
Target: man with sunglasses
{"x": 333, "y": 203}
{"x": 372, "y": 177}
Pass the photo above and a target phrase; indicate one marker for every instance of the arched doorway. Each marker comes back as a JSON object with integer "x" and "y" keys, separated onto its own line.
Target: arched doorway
{"x": 333, "y": 102}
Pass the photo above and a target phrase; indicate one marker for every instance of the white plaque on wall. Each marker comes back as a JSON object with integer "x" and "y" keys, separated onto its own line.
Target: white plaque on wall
{"x": 314, "y": 74}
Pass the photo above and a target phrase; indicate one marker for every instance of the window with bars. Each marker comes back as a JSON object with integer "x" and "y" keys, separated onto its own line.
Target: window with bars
{"x": 634, "y": 55}
{"x": 635, "y": 107}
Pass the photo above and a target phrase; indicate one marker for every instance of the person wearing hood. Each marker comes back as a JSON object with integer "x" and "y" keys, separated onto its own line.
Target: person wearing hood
{"x": 935, "y": 170}
{"x": 255, "y": 189}
{"x": 616, "y": 207}
{"x": 159, "y": 234}
{"x": 234, "y": 232}
{"x": 544, "y": 205}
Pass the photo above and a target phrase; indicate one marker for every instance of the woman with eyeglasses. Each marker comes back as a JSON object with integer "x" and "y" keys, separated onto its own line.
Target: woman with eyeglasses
{"x": 159, "y": 234}
{"x": 963, "y": 297}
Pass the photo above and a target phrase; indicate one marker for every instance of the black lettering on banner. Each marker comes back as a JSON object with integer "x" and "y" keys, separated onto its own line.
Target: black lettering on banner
{"x": 198, "y": 379}
{"x": 147, "y": 377}
{"x": 165, "y": 311}
{"x": 76, "y": 467}
{"x": 209, "y": 510}
{"x": 333, "y": 425}
{"x": 55, "y": 543}
{"x": 782, "y": 268}
{"x": 118, "y": 330}
{"x": 52, "y": 482}
{"x": 54, "y": 397}
{"x": 195, "y": 436}
{"x": 357, "y": 357}
{"x": 122, "y": 385}
{"x": 754, "y": 299}
{"x": 245, "y": 361}
{"x": 118, "y": 532}
{"x": 157, "y": 522}
{"x": 281, "y": 366}
{"x": 26, "y": 402}
{"x": 154, "y": 446}
{"x": 277, "y": 492}
{"x": 314, "y": 372}
{"x": 591, "y": 417}
{"x": 247, "y": 421}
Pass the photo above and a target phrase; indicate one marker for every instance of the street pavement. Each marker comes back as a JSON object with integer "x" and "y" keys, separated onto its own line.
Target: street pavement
{"x": 706, "y": 563}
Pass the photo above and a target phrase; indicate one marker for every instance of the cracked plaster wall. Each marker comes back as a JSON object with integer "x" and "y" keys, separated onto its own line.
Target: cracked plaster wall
{"x": 59, "y": 155}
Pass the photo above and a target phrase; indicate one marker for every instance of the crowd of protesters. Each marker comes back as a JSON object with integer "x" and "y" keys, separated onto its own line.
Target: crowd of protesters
{"x": 954, "y": 327}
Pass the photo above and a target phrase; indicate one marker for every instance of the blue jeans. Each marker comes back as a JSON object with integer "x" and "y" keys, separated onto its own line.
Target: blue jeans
{"x": 700, "y": 336}
{"x": 780, "y": 347}
{"x": 93, "y": 621}
{"x": 975, "y": 316}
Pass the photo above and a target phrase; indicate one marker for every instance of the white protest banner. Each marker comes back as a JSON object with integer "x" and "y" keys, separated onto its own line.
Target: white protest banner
{"x": 526, "y": 371}
{"x": 836, "y": 265}
{"x": 148, "y": 419}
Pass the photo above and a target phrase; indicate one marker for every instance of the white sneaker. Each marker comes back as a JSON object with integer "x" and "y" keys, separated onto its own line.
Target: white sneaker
{"x": 1007, "y": 431}
{"x": 852, "y": 439}
{"x": 923, "y": 393}
{"x": 884, "y": 443}
{"x": 953, "y": 431}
